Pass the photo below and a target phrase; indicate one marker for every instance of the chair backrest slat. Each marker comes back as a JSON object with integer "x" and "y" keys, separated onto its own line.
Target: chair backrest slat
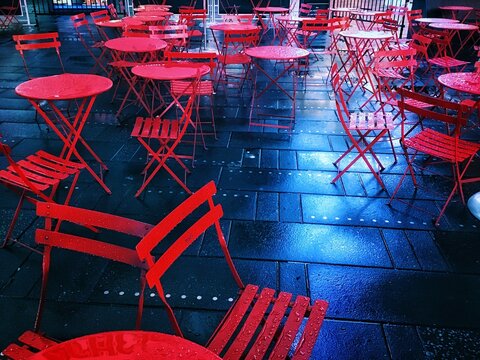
{"x": 93, "y": 218}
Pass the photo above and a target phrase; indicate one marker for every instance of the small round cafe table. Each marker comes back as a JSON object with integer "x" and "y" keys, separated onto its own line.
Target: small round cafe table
{"x": 127, "y": 345}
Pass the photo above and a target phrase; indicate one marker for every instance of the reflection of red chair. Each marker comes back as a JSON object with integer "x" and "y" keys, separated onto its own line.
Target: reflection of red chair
{"x": 51, "y": 237}
{"x": 36, "y": 177}
{"x": 259, "y": 321}
{"x": 441, "y": 148}
{"x": 27, "y": 345}
{"x": 8, "y": 14}
{"x": 169, "y": 134}
{"x": 364, "y": 130}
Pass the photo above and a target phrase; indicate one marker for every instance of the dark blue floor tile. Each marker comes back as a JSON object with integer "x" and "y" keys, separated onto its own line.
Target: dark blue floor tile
{"x": 404, "y": 342}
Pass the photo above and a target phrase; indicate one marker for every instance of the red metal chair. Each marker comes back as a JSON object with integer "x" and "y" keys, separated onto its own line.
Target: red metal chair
{"x": 53, "y": 236}
{"x": 168, "y": 133}
{"x": 413, "y": 26}
{"x": 27, "y": 42}
{"x": 260, "y": 323}
{"x": 27, "y": 345}
{"x": 8, "y": 14}
{"x": 232, "y": 53}
{"x": 112, "y": 11}
{"x": 441, "y": 147}
{"x": 191, "y": 18}
{"x": 176, "y": 36}
{"x": 36, "y": 178}
{"x": 82, "y": 28}
{"x": 364, "y": 130}
{"x": 205, "y": 88}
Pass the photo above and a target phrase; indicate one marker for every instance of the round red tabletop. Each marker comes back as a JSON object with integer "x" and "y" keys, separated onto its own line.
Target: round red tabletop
{"x": 119, "y": 23}
{"x": 146, "y": 17}
{"x": 127, "y": 345}
{"x": 64, "y": 87}
{"x": 292, "y": 18}
{"x": 365, "y": 34}
{"x": 230, "y": 26}
{"x": 152, "y": 7}
{"x": 274, "y": 52}
{"x": 271, "y": 9}
{"x": 135, "y": 44}
{"x": 454, "y": 26}
{"x": 464, "y": 81}
{"x": 171, "y": 70}
{"x": 456, "y": 8}
{"x": 435, "y": 20}
{"x": 155, "y": 13}
{"x": 366, "y": 13}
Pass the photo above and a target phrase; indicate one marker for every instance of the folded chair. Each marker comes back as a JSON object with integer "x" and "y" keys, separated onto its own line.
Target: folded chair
{"x": 364, "y": 130}
{"x": 36, "y": 178}
{"x": 261, "y": 323}
{"x": 440, "y": 147}
{"x": 8, "y": 14}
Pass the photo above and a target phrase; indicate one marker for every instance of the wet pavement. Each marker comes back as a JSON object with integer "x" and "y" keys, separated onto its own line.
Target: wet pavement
{"x": 398, "y": 286}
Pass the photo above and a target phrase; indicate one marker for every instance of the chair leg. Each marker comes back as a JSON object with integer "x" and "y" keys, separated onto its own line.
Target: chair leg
{"x": 141, "y": 300}
{"x": 14, "y": 221}
{"x": 45, "y": 270}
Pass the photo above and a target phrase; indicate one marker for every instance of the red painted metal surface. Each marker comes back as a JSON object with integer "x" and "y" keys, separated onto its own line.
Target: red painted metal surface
{"x": 36, "y": 178}
{"x": 135, "y": 44}
{"x": 126, "y": 345}
{"x": 27, "y": 345}
{"x": 171, "y": 70}
{"x": 277, "y": 52}
{"x": 52, "y": 236}
{"x": 250, "y": 326}
{"x": 465, "y": 82}
{"x": 446, "y": 146}
{"x": 64, "y": 87}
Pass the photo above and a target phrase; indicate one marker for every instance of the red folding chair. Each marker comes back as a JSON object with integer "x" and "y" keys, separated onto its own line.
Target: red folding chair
{"x": 112, "y": 11}
{"x": 192, "y": 18}
{"x": 27, "y": 345}
{"x": 8, "y": 14}
{"x": 205, "y": 88}
{"x": 391, "y": 69}
{"x": 85, "y": 35}
{"x": 364, "y": 130}
{"x": 176, "y": 36}
{"x": 232, "y": 54}
{"x": 36, "y": 178}
{"x": 260, "y": 323}
{"x": 27, "y": 42}
{"x": 54, "y": 237}
{"x": 442, "y": 148}
{"x": 168, "y": 134}
{"x": 414, "y": 27}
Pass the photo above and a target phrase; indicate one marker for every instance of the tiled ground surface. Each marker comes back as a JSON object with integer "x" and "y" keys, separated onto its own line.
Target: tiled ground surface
{"x": 398, "y": 287}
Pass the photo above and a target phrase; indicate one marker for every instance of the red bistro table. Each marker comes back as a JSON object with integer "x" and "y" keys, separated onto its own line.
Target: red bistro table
{"x": 228, "y": 27}
{"x": 126, "y": 345}
{"x": 455, "y": 11}
{"x": 291, "y": 57}
{"x": 166, "y": 72}
{"x": 469, "y": 83}
{"x": 117, "y": 24}
{"x": 128, "y": 52}
{"x": 361, "y": 46}
{"x": 82, "y": 87}
{"x": 156, "y": 75}
{"x": 454, "y": 30}
{"x": 269, "y": 11}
